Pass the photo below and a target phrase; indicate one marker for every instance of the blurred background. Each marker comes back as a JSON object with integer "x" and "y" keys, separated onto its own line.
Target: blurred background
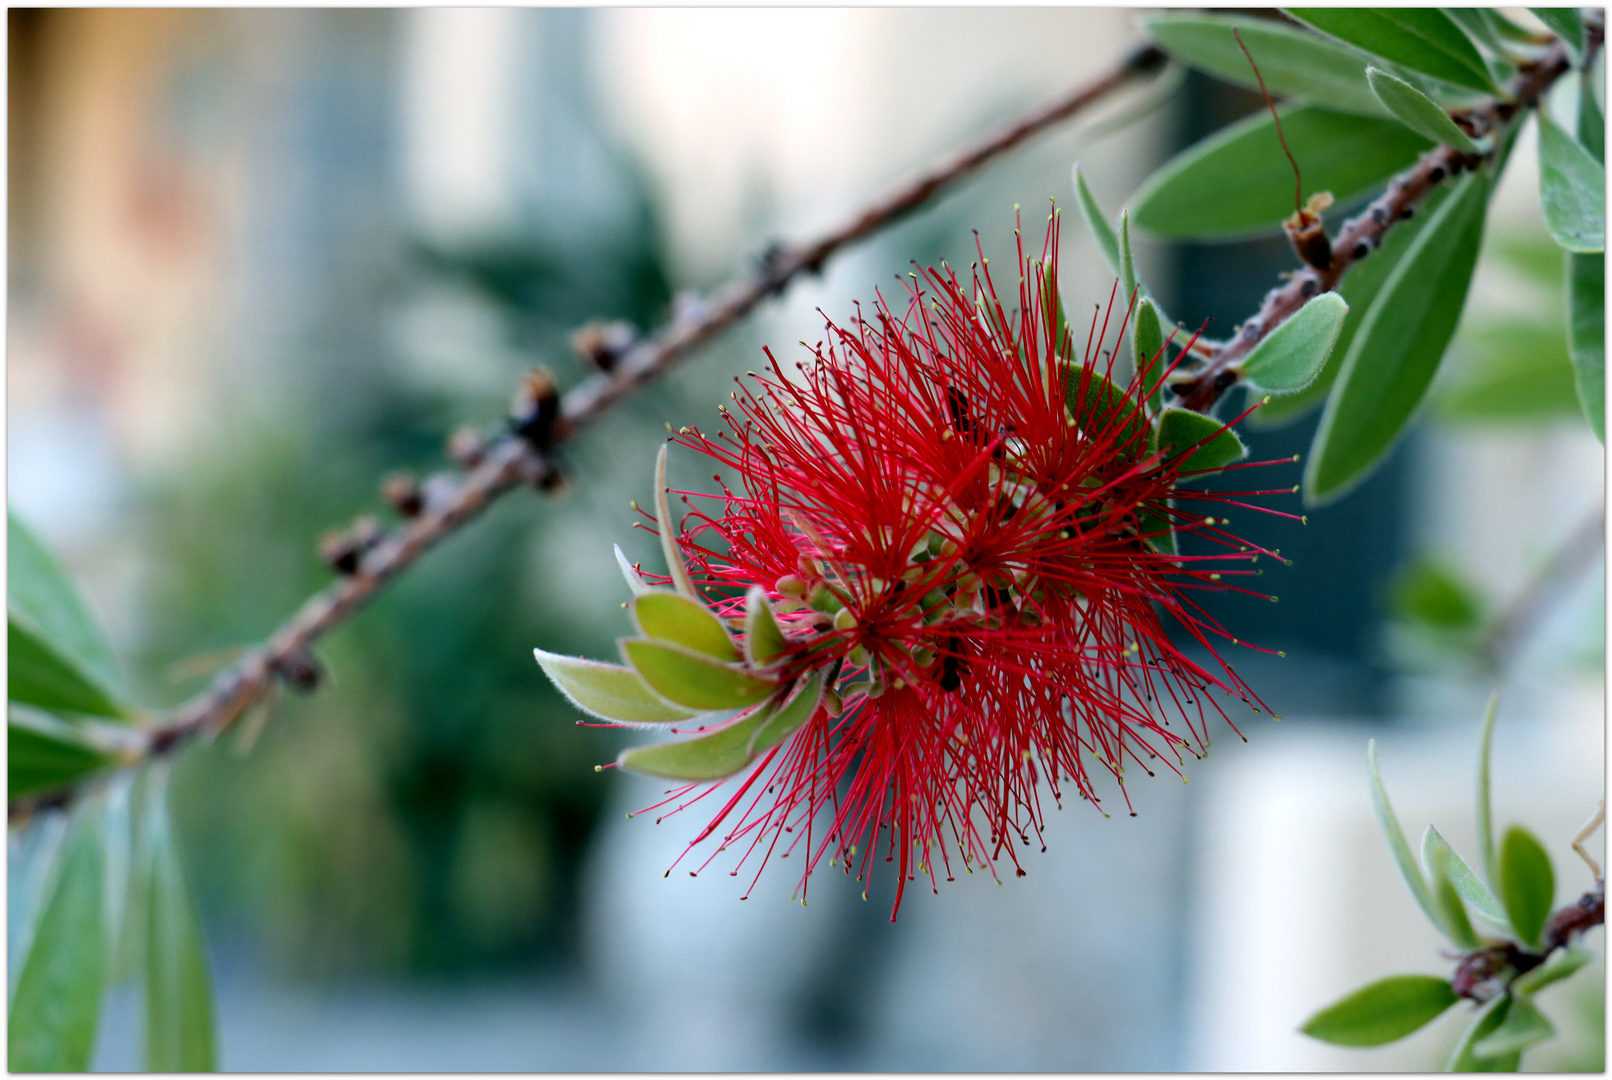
{"x": 260, "y": 258}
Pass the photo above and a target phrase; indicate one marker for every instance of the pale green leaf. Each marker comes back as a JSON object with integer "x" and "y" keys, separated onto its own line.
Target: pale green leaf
{"x": 1292, "y": 62}
{"x": 1383, "y": 1011}
{"x": 1291, "y": 356}
{"x": 1238, "y": 183}
{"x": 39, "y": 589}
{"x": 764, "y": 639}
{"x": 788, "y": 718}
{"x": 1452, "y": 912}
{"x": 1572, "y": 190}
{"x": 1397, "y": 845}
{"x": 41, "y": 758}
{"x": 178, "y": 982}
{"x": 1527, "y": 883}
{"x": 1101, "y": 232}
{"x": 1489, "y": 1018}
{"x": 1435, "y": 849}
{"x": 635, "y": 580}
{"x": 1586, "y": 335}
{"x": 673, "y": 617}
{"x": 1151, "y": 358}
{"x": 1422, "y": 39}
{"x": 669, "y": 546}
{"x": 1417, "y": 111}
{"x": 57, "y": 1004}
{"x": 1488, "y": 852}
{"x": 694, "y": 680}
{"x": 1567, "y": 24}
{"x": 708, "y": 757}
{"x": 1396, "y": 352}
{"x": 1216, "y": 445}
{"x": 607, "y": 691}
{"x": 1524, "y": 1026}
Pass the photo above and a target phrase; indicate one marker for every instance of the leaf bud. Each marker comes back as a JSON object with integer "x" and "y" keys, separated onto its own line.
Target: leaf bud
{"x": 466, "y": 447}
{"x": 535, "y": 408}
{"x": 602, "y": 343}
{"x": 299, "y": 669}
{"x": 402, "y": 493}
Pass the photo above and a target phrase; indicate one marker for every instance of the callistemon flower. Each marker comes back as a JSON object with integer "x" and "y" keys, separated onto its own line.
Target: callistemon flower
{"x": 944, "y": 589}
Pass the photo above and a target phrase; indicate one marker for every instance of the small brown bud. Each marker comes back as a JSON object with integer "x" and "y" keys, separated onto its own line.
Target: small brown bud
{"x": 467, "y": 447}
{"x": 603, "y": 343}
{"x": 535, "y": 408}
{"x": 402, "y": 493}
{"x": 340, "y": 551}
{"x": 300, "y": 670}
{"x": 368, "y": 532}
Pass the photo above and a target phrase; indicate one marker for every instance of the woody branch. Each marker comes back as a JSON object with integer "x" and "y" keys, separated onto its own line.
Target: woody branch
{"x": 544, "y": 419}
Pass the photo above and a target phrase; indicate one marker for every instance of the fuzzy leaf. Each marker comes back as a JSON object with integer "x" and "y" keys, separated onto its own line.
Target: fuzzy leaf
{"x": 1572, "y": 190}
{"x": 1101, "y": 232}
{"x": 1237, "y": 182}
{"x": 673, "y": 617}
{"x": 39, "y": 589}
{"x": 670, "y": 549}
{"x": 1292, "y": 355}
{"x": 1586, "y": 335}
{"x": 41, "y": 674}
{"x": 1452, "y": 912}
{"x": 39, "y": 760}
{"x": 635, "y": 580}
{"x": 1293, "y": 63}
{"x": 764, "y": 640}
{"x": 1151, "y": 358}
{"x": 1217, "y": 445}
{"x": 1158, "y": 530}
{"x": 1395, "y": 353}
{"x": 1436, "y": 849}
{"x": 1567, "y": 24}
{"x": 709, "y": 757}
{"x": 1524, "y": 1026}
{"x": 788, "y": 718}
{"x": 1558, "y": 966}
{"x": 1488, "y": 854}
{"x": 1098, "y": 405}
{"x": 56, "y": 1007}
{"x": 1397, "y": 846}
{"x": 1422, "y": 39}
{"x": 1417, "y": 111}
{"x": 607, "y": 691}
{"x": 1527, "y": 883}
{"x": 1591, "y": 124}
{"x": 1489, "y": 1018}
{"x": 694, "y": 680}
{"x": 1383, "y": 1011}
{"x": 178, "y": 983}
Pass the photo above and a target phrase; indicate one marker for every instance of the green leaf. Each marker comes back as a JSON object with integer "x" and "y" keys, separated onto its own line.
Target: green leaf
{"x": 1488, "y": 855}
{"x": 1383, "y": 1011}
{"x": 693, "y": 680}
{"x": 1558, "y": 966}
{"x": 1158, "y": 530}
{"x": 764, "y": 640}
{"x": 1436, "y": 850}
{"x": 1527, "y": 883}
{"x": 56, "y": 1007}
{"x": 39, "y": 674}
{"x": 40, "y": 759}
{"x": 1098, "y": 405}
{"x": 1591, "y": 124}
{"x": 607, "y": 691}
{"x": 709, "y": 757}
{"x": 1151, "y": 359}
{"x": 673, "y": 617}
{"x": 1146, "y": 309}
{"x": 1520, "y": 372}
{"x": 1478, "y": 28}
{"x": 1567, "y": 24}
{"x": 1489, "y": 1018}
{"x": 178, "y": 984}
{"x": 1428, "y": 592}
{"x": 1396, "y": 351}
{"x": 1107, "y": 243}
{"x": 1237, "y": 182}
{"x": 39, "y": 589}
{"x": 1291, "y": 356}
{"x": 1505, "y": 28}
{"x": 1572, "y": 190}
{"x": 635, "y": 580}
{"x": 1586, "y": 335}
{"x": 788, "y": 718}
{"x": 1293, "y": 63}
{"x": 1422, "y": 39}
{"x": 1417, "y": 111}
{"x": 670, "y": 548}
{"x": 1397, "y": 846}
{"x": 1217, "y": 445}
{"x": 1452, "y": 912}
{"x": 1524, "y": 1026}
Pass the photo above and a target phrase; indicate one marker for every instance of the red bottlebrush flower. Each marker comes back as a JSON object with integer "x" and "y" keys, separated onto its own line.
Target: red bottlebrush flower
{"x": 958, "y": 543}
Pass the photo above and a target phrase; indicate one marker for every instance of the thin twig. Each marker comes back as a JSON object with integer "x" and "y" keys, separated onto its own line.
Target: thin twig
{"x": 1363, "y": 234}
{"x": 512, "y": 461}
{"x": 1580, "y": 551}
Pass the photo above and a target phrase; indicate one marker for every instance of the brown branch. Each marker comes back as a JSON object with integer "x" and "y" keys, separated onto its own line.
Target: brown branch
{"x": 1484, "y": 974}
{"x": 1576, "y": 555}
{"x": 522, "y": 457}
{"x": 1363, "y": 234}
